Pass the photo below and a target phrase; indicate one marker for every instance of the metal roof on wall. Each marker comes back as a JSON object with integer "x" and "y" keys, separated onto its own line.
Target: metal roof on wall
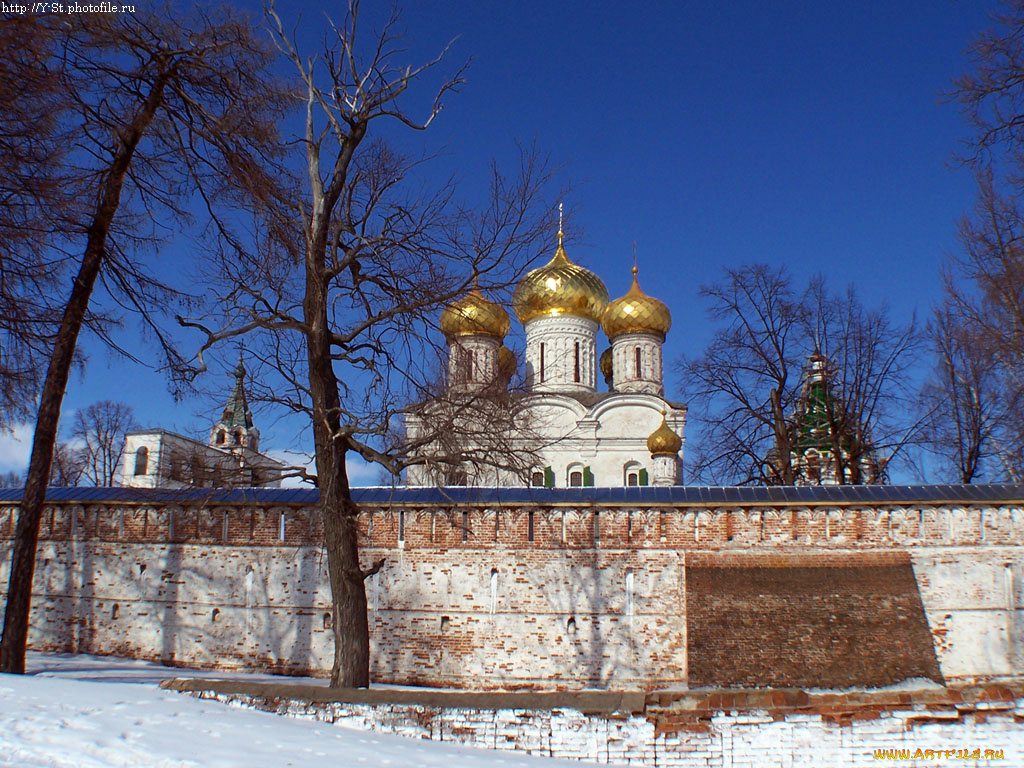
{"x": 689, "y": 495}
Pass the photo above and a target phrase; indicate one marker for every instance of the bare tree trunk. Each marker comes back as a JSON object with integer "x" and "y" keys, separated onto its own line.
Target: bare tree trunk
{"x": 19, "y": 590}
{"x": 783, "y": 443}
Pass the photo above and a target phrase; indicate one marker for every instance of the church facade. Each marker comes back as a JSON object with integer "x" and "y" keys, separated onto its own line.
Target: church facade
{"x": 158, "y": 458}
{"x": 571, "y": 432}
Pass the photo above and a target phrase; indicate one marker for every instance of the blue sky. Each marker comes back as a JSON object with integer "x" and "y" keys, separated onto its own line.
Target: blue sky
{"x": 713, "y": 134}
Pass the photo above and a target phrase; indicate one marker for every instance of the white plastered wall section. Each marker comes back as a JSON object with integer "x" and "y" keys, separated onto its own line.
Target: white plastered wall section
{"x": 975, "y": 607}
{"x": 607, "y": 437}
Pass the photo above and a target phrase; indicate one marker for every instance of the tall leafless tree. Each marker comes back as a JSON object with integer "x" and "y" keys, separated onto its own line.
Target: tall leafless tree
{"x": 870, "y": 359}
{"x": 99, "y": 430}
{"x": 979, "y": 332}
{"x": 747, "y": 383}
{"x": 342, "y": 302}
{"x": 162, "y": 107}
{"x": 960, "y": 400}
{"x": 32, "y": 148}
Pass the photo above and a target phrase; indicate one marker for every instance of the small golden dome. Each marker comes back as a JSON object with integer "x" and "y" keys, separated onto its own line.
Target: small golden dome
{"x": 474, "y": 315}
{"x": 605, "y": 363}
{"x": 663, "y": 441}
{"x": 560, "y": 288}
{"x": 507, "y": 363}
{"x": 636, "y": 312}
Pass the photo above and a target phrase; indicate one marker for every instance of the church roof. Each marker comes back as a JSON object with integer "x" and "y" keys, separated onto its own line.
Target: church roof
{"x": 683, "y": 495}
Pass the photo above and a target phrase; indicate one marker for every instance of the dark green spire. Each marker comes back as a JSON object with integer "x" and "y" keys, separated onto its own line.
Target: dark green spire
{"x": 236, "y": 412}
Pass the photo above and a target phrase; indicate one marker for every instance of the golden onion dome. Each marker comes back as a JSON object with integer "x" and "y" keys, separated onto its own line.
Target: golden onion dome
{"x": 474, "y": 315}
{"x": 507, "y": 363}
{"x": 636, "y": 312}
{"x": 663, "y": 441}
{"x": 560, "y": 288}
{"x": 605, "y": 363}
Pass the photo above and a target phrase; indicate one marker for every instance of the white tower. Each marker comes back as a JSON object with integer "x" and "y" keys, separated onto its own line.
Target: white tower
{"x": 636, "y": 324}
{"x": 474, "y": 327}
{"x": 560, "y": 305}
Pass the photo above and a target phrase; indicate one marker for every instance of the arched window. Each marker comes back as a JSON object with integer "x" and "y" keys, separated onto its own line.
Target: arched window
{"x": 537, "y": 478}
{"x": 575, "y": 476}
{"x": 631, "y": 474}
{"x": 238, "y": 438}
{"x": 221, "y": 437}
{"x": 141, "y": 460}
{"x": 636, "y": 361}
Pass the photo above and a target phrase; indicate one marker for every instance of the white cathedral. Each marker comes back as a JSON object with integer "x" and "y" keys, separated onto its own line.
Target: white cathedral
{"x": 579, "y": 435}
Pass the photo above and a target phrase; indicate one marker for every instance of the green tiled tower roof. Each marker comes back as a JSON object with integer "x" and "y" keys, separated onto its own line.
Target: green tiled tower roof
{"x": 236, "y": 412}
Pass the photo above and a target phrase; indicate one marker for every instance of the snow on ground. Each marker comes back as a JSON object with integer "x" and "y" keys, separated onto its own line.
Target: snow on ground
{"x": 94, "y": 712}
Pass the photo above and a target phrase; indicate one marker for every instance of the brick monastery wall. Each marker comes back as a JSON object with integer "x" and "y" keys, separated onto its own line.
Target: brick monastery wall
{"x": 599, "y": 597}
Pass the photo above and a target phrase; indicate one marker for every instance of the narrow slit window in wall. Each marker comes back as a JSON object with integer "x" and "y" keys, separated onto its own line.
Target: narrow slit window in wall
{"x": 529, "y": 525}
{"x": 636, "y": 361}
{"x": 401, "y": 525}
{"x": 629, "y": 591}
{"x": 597, "y": 528}
{"x": 494, "y": 591}
{"x": 465, "y": 526}
{"x": 280, "y": 527}
{"x": 576, "y": 371}
{"x": 542, "y": 361}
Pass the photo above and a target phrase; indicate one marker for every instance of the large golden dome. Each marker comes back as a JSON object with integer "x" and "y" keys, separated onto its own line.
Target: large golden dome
{"x": 663, "y": 441}
{"x": 474, "y": 315}
{"x": 636, "y": 312}
{"x": 560, "y": 288}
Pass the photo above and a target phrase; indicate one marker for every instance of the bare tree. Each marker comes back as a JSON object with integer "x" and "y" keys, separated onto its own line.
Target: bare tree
{"x": 11, "y": 480}
{"x": 751, "y": 395}
{"x": 747, "y": 381}
{"x": 869, "y": 358}
{"x": 960, "y": 399}
{"x": 32, "y": 149}
{"x": 100, "y": 429}
{"x": 991, "y": 95}
{"x": 978, "y": 333}
{"x": 162, "y": 105}
{"x": 979, "y": 341}
{"x": 68, "y": 465}
{"x": 343, "y": 302}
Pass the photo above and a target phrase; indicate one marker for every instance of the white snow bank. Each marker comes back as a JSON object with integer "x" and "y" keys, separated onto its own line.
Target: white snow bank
{"x": 53, "y": 722}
